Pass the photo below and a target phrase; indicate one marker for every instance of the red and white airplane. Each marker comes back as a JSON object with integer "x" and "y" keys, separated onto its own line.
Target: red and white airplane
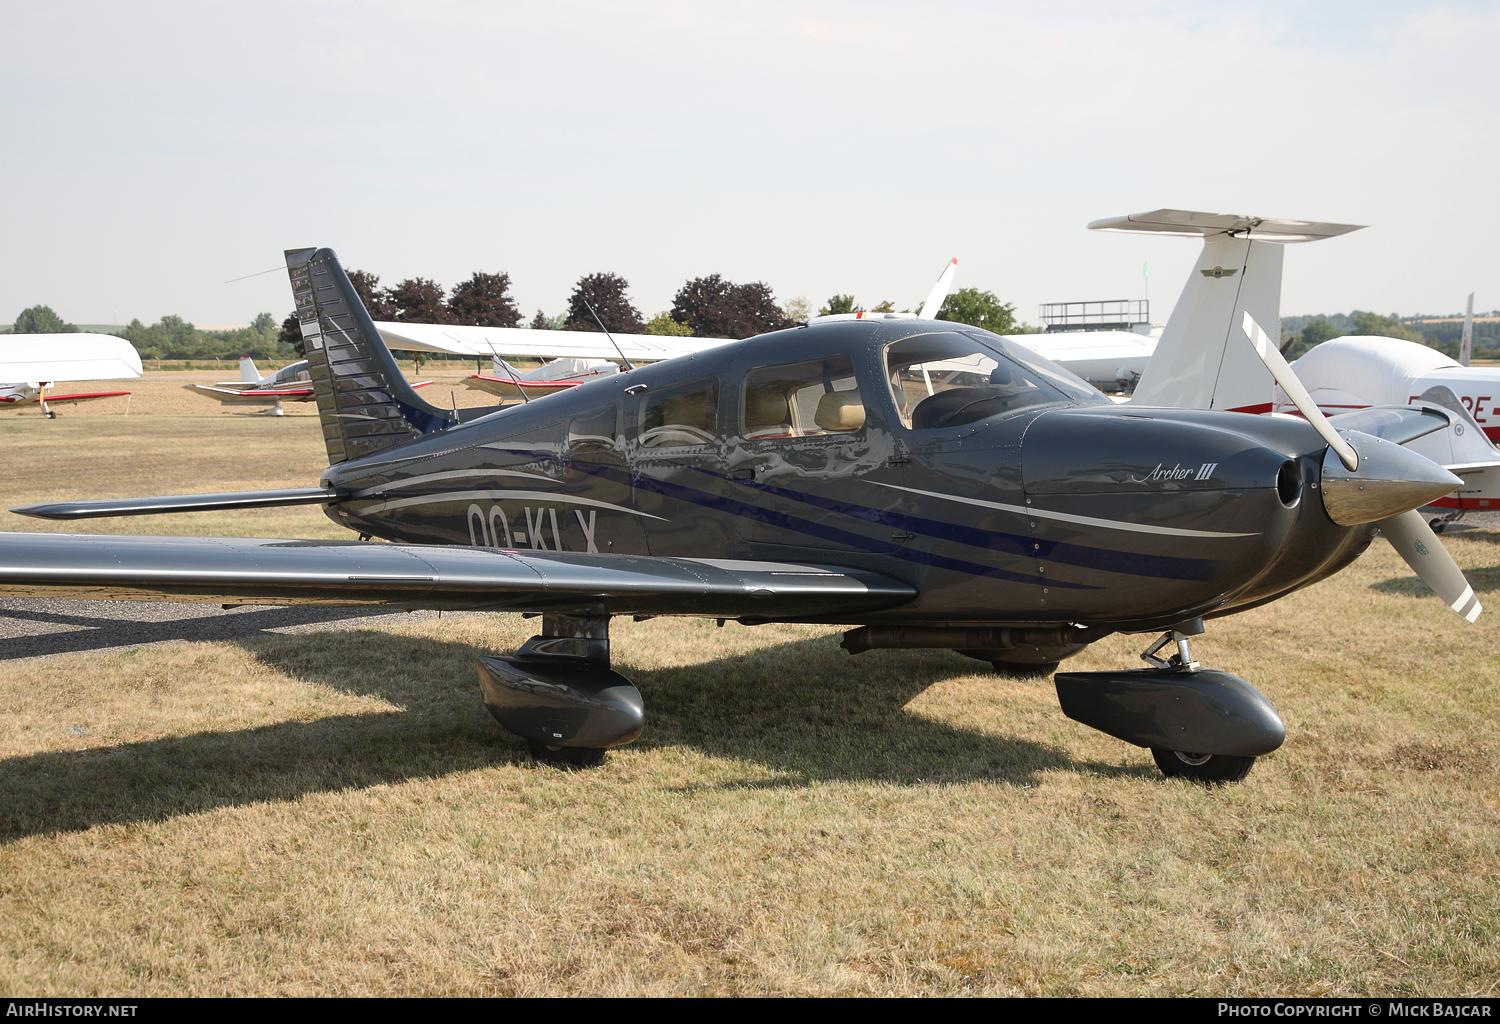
{"x": 1346, "y": 375}
{"x": 33, "y": 364}
{"x": 291, "y": 383}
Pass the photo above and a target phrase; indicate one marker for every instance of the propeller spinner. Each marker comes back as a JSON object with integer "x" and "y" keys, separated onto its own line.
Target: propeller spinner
{"x": 1374, "y": 481}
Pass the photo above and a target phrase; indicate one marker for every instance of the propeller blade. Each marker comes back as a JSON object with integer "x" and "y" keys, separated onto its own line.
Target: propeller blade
{"x": 1414, "y": 540}
{"x": 939, "y": 291}
{"x": 1287, "y": 378}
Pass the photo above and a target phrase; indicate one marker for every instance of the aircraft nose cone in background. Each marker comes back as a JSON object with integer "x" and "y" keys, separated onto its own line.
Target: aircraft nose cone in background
{"x": 1389, "y": 480}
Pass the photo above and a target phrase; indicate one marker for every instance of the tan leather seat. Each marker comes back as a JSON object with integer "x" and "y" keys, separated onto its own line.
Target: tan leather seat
{"x": 767, "y": 412}
{"x": 840, "y": 411}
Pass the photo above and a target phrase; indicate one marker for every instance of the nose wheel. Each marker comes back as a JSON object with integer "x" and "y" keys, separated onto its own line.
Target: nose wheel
{"x": 1210, "y": 768}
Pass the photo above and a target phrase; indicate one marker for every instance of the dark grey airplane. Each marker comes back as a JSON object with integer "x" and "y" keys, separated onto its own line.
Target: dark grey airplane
{"x": 925, "y": 483}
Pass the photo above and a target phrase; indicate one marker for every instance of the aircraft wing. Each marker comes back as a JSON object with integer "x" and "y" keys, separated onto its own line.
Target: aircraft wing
{"x": 55, "y": 357}
{"x": 1099, "y": 357}
{"x": 250, "y": 396}
{"x": 520, "y": 341}
{"x": 255, "y": 396}
{"x": 60, "y": 399}
{"x": 506, "y": 388}
{"x": 228, "y": 570}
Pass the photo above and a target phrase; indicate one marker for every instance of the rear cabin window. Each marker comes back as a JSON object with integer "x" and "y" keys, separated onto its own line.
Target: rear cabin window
{"x": 806, "y": 399}
{"x": 682, "y": 414}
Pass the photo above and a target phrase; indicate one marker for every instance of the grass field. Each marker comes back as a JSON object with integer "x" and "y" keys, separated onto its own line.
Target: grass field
{"x": 335, "y": 813}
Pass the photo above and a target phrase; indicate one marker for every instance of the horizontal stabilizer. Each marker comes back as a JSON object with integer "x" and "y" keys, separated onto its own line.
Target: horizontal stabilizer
{"x": 1399, "y": 424}
{"x": 343, "y": 573}
{"x": 1195, "y": 223}
{"x": 225, "y": 501}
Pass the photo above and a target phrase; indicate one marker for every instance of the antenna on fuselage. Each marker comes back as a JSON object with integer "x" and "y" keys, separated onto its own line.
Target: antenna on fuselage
{"x": 525, "y": 398}
{"x": 611, "y": 337}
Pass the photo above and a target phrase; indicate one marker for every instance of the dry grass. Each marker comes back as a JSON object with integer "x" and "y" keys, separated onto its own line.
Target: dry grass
{"x": 335, "y": 813}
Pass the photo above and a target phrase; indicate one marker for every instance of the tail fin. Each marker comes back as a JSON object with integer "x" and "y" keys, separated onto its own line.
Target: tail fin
{"x": 364, "y": 401}
{"x": 248, "y": 373}
{"x": 1466, "y": 344}
{"x": 1202, "y": 360}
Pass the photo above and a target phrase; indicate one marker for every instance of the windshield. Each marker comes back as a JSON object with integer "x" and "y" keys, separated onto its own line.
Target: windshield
{"x": 950, "y": 379}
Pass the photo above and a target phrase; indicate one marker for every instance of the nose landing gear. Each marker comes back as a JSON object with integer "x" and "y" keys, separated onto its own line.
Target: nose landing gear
{"x": 1199, "y": 724}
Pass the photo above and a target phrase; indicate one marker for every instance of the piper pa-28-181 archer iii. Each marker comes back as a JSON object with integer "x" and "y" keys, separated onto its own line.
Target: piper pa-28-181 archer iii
{"x": 33, "y": 363}
{"x": 1015, "y": 515}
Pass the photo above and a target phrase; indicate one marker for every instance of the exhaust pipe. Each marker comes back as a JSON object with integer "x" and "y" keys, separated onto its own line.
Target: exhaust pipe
{"x": 961, "y": 638}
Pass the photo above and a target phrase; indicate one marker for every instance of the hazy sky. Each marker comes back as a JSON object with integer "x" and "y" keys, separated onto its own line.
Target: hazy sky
{"x": 154, "y": 150}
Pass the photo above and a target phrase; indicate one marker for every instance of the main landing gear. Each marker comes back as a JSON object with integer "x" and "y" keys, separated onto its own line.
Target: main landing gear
{"x": 1441, "y": 523}
{"x": 1200, "y": 724}
{"x": 559, "y": 694}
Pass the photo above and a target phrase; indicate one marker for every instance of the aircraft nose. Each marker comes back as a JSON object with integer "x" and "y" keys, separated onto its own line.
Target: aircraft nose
{"x": 1390, "y": 480}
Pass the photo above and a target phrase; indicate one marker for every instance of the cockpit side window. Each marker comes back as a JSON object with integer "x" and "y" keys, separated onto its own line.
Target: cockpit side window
{"x": 950, "y": 379}
{"x": 682, "y": 414}
{"x": 594, "y": 431}
{"x": 805, "y": 399}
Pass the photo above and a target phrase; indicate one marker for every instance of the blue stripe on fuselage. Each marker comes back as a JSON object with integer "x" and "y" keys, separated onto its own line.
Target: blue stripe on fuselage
{"x": 1123, "y": 562}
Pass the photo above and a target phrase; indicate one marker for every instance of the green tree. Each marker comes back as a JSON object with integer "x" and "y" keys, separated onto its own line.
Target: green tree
{"x": 608, "y": 295}
{"x": 291, "y": 334}
{"x": 543, "y": 322}
{"x": 718, "y": 308}
{"x": 418, "y": 300}
{"x": 376, "y": 300}
{"x": 484, "y": 300}
{"x": 41, "y": 320}
{"x": 662, "y": 324}
{"x": 838, "y": 304}
{"x": 797, "y": 310}
{"x": 1373, "y": 324}
{"x": 979, "y": 309}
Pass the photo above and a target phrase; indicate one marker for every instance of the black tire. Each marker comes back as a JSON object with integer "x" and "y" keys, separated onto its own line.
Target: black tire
{"x": 1207, "y": 768}
{"x": 572, "y": 757}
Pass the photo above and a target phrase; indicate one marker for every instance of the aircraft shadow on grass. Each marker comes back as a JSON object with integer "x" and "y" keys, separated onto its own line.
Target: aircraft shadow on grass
{"x": 103, "y": 632}
{"x": 835, "y": 718}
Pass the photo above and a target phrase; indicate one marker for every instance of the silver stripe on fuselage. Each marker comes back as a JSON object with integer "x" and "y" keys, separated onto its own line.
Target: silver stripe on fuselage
{"x": 492, "y": 495}
{"x": 452, "y": 474}
{"x": 1036, "y": 513}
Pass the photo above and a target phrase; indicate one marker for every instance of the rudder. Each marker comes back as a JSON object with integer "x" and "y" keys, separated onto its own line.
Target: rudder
{"x": 364, "y": 401}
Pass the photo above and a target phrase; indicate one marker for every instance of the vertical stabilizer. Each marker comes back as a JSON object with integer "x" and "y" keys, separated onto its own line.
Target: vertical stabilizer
{"x": 364, "y": 401}
{"x": 1466, "y": 346}
{"x": 248, "y": 373}
{"x": 1202, "y": 360}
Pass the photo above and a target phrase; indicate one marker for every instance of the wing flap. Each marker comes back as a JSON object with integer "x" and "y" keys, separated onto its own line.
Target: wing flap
{"x": 266, "y": 571}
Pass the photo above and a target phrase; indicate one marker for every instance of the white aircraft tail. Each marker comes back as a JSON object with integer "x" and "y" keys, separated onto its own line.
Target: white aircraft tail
{"x": 1202, "y": 360}
{"x": 940, "y": 288}
{"x": 1466, "y": 346}
{"x": 248, "y": 373}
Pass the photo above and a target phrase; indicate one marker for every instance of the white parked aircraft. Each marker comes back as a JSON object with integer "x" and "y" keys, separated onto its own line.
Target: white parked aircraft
{"x": 1361, "y": 373}
{"x": 547, "y": 379}
{"x": 291, "y": 383}
{"x": 32, "y": 364}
